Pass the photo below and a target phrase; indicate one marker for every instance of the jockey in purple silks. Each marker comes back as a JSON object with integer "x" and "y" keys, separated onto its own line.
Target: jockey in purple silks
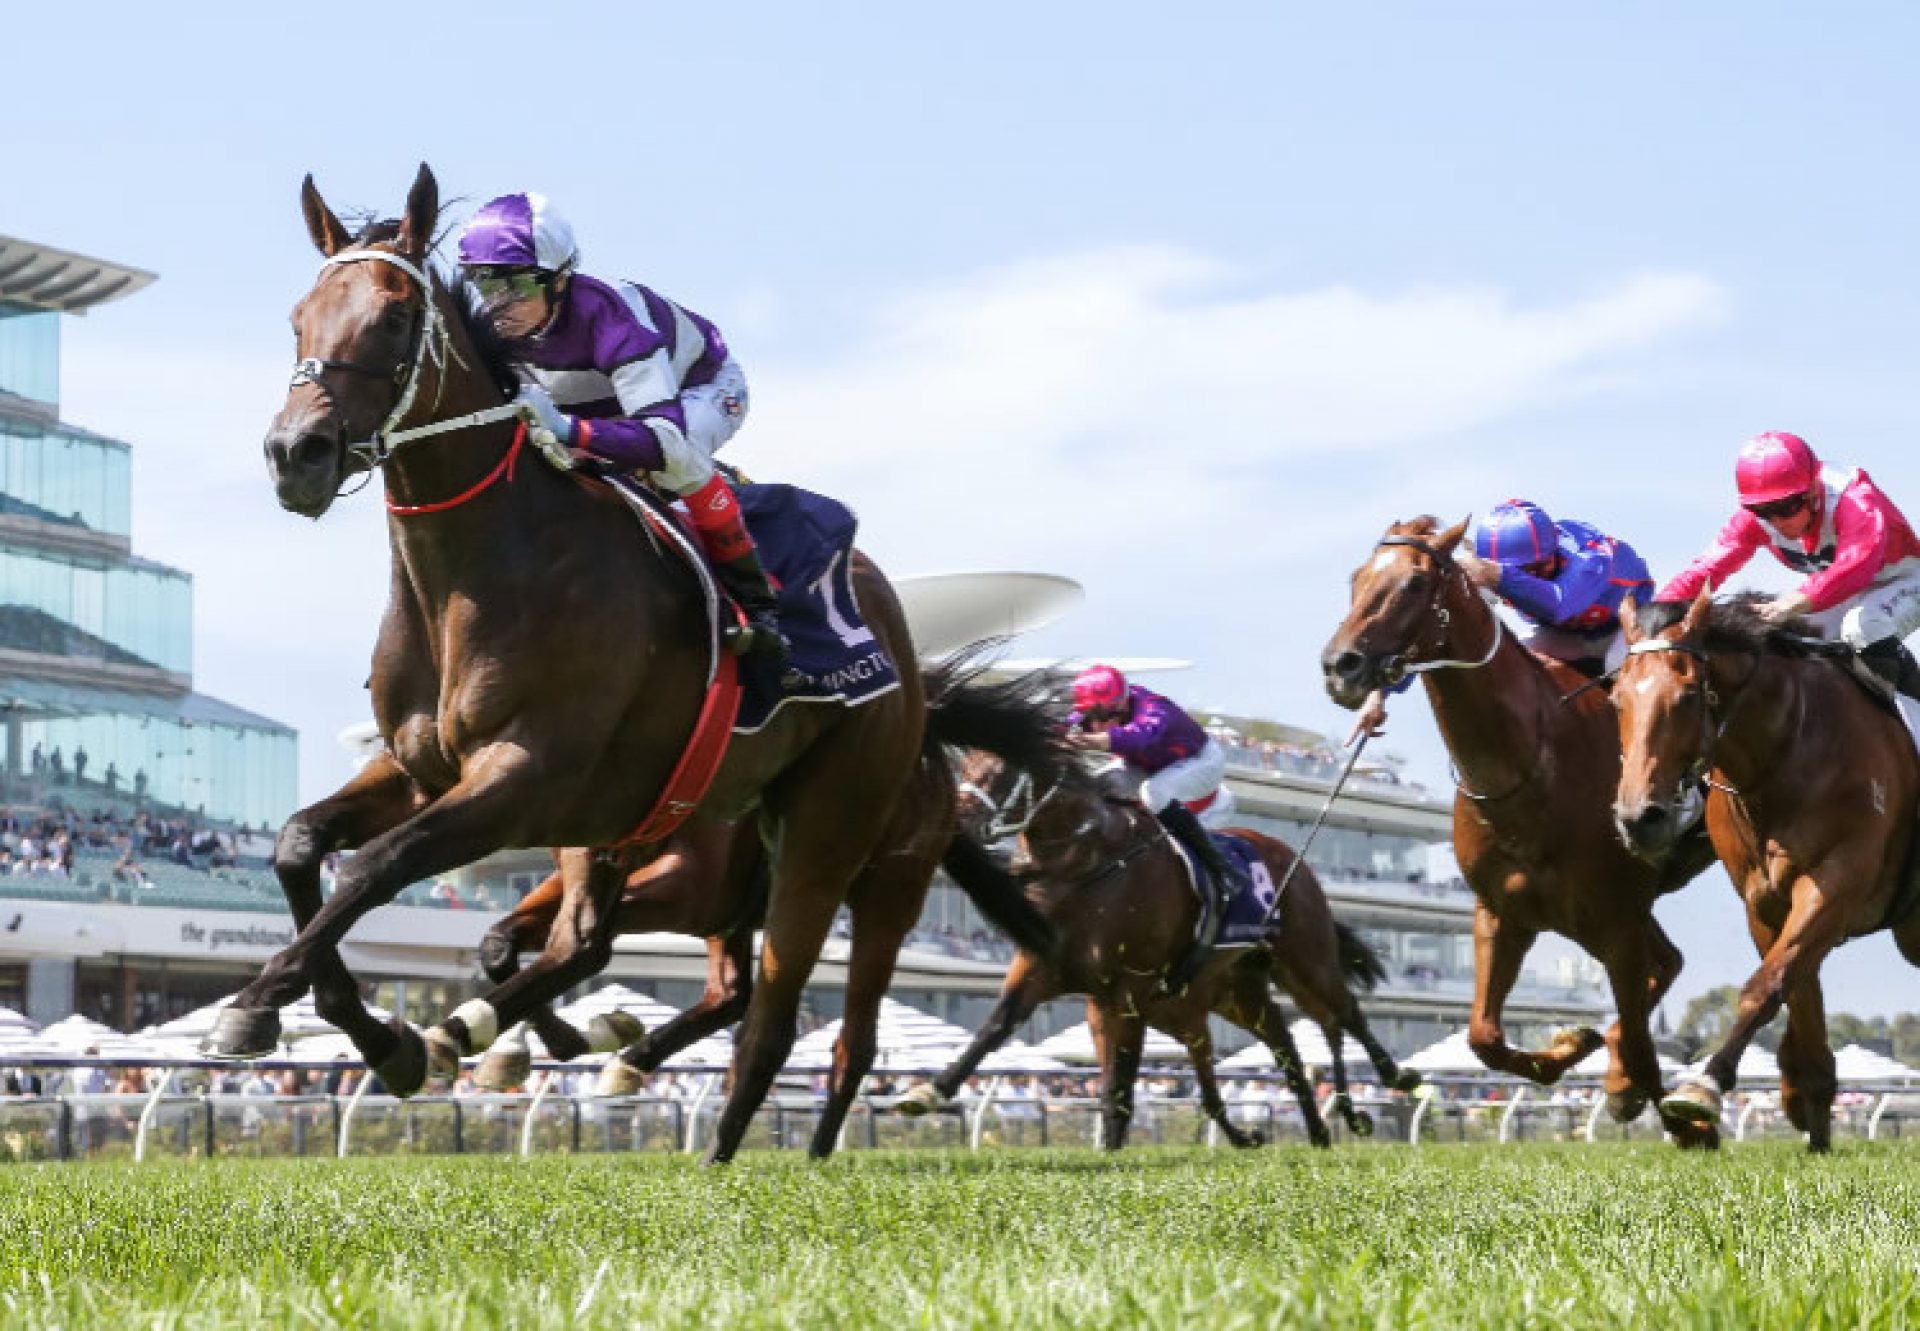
{"x": 1566, "y": 579}
{"x": 625, "y": 379}
{"x": 1184, "y": 769}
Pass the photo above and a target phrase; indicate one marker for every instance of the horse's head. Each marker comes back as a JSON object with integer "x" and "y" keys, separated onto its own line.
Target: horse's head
{"x": 1066, "y": 824}
{"x": 1665, "y": 700}
{"x": 361, "y": 335}
{"x": 1399, "y": 614}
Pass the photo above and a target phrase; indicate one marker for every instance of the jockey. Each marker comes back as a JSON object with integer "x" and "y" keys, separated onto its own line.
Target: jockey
{"x": 625, "y": 379}
{"x": 1566, "y": 580}
{"x": 1833, "y": 524}
{"x": 1184, "y": 769}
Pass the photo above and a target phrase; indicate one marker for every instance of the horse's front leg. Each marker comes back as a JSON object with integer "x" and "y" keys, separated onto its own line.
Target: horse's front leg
{"x": 380, "y": 796}
{"x": 1499, "y": 948}
{"x": 477, "y": 817}
{"x": 579, "y": 945}
{"x": 1121, "y": 1036}
{"x": 1807, "y": 1079}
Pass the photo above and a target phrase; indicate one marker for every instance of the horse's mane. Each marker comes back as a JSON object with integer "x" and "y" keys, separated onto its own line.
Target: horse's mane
{"x": 1736, "y": 625}
{"x": 496, "y": 353}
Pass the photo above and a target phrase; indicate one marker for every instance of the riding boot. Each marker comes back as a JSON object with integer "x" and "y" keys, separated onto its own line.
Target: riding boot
{"x": 1220, "y": 881}
{"x": 746, "y": 582}
{"x": 715, "y": 512}
{"x": 1890, "y": 659}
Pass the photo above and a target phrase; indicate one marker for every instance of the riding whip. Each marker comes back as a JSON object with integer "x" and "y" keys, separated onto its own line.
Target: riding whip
{"x": 1300, "y": 855}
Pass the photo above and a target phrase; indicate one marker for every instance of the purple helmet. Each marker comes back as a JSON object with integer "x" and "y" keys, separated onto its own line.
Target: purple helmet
{"x": 519, "y": 231}
{"x": 1516, "y": 532}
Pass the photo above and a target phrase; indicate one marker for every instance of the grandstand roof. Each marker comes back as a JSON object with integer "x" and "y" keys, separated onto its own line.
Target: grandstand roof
{"x": 44, "y": 278}
{"x": 78, "y": 700}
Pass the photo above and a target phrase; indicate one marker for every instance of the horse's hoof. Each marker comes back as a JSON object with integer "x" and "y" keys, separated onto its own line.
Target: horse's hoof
{"x": 1361, "y": 1123}
{"x": 614, "y": 1031}
{"x": 1407, "y": 1081}
{"x": 1626, "y": 1106}
{"x": 1256, "y": 1139}
{"x": 1321, "y": 1139}
{"x": 920, "y": 1100}
{"x": 1693, "y": 1100}
{"x": 404, "y": 1071}
{"x": 243, "y": 1033}
{"x": 443, "y": 1052}
{"x": 1575, "y": 1043}
{"x": 504, "y": 1066}
{"x": 1694, "y": 1137}
{"x": 619, "y": 1077}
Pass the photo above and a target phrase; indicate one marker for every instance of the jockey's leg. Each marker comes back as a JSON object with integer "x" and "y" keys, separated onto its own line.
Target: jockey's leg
{"x": 1167, "y": 794}
{"x": 713, "y": 412}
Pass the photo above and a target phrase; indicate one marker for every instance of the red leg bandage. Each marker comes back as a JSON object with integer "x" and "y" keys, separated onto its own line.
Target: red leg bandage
{"x": 716, "y": 516}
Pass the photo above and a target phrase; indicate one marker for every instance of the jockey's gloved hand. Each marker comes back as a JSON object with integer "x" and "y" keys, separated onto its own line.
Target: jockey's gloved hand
{"x": 536, "y": 404}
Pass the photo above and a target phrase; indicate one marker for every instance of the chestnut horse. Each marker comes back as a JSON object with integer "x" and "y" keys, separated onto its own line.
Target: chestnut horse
{"x": 1104, "y": 872}
{"x": 1537, "y": 757}
{"x": 538, "y": 673}
{"x": 1813, "y": 785}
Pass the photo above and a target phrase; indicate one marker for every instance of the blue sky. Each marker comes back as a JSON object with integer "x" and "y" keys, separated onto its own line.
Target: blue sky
{"x": 1186, "y": 307}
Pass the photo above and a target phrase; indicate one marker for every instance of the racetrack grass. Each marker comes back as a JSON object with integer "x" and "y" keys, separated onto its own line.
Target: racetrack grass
{"x": 1573, "y": 1236}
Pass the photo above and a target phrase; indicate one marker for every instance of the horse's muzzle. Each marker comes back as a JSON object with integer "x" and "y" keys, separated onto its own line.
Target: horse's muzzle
{"x": 1649, "y": 828}
{"x": 305, "y": 468}
{"x": 1350, "y": 676}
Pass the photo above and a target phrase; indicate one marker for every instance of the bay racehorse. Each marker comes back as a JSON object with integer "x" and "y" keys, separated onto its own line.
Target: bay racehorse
{"x": 1118, "y": 894}
{"x": 539, "y": 671}
{"x": 1537, "y": 756}
{"x": 1813, "y": 787}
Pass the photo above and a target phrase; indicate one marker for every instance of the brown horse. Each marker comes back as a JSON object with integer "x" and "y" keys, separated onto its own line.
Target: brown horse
{"x": 1537, "y": 757}
{"x": 1119, "y": 897}
{"x": 537, "y": 676}
{"x": 1813, "y": 787}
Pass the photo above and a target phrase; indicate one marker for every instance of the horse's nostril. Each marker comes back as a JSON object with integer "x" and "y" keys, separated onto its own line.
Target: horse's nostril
{"x": 310, "y": 450}
{"x": 1347, "y": 665}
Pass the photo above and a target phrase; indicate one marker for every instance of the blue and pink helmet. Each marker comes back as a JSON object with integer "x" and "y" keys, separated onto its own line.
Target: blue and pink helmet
{"x": 518, "y": 231}
{"x": 1515, "y": 533}
{"x": 1098, "y": 687}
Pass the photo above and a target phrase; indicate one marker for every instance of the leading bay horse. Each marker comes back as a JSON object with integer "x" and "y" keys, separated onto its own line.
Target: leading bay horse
{"x": 1105, "y": 874}
{"x": 1813, "y": 787}
{"x": 1537, "y": 757}
{"x": 538, "y": 673}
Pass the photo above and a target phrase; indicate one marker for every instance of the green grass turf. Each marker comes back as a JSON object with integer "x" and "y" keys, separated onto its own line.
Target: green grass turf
{"x": 1573, "y": 1236}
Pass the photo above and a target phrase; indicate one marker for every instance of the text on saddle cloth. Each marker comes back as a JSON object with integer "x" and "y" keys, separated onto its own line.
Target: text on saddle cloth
{"x": 1246, "y": 919}
{"x": 806, "y": 545}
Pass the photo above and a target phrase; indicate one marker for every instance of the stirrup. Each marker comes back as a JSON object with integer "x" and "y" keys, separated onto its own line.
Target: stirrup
{"x": 759, "y": 636}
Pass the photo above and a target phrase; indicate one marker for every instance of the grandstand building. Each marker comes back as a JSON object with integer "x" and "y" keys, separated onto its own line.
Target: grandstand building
{"x": 96, "y": 668}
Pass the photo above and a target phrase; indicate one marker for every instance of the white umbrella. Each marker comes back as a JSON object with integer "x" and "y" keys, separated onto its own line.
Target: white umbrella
{"x": 11, "y": 1021}
{"x": 1755, "y": 1065}
{"x": 906, "y": 1040}
{"x": 78, "y": 1036}
{"x": 1311, "y": 1041}
{"x": 1596, "y": 1064}
{"x": 1016, "y": 1057}
{"x": 297, "y": 1020}
{"x": 1075, "y": 1045}
{"x": 1856, "y": 1064}
{"x": 1450, "y": 1055}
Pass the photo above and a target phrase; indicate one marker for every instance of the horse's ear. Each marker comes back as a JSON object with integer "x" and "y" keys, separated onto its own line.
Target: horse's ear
{"x": 423, "y": 211}
{"x": 1448, "y": 539}
{"x": 1630, "y": 619}
{"x": 329, "y": 237}
{"x": 1696, "y": 617}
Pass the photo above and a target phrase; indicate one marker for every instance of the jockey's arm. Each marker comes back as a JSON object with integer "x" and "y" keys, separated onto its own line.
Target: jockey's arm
{"x": 1581, "y": 584}
{"x": 1729, "y": 553}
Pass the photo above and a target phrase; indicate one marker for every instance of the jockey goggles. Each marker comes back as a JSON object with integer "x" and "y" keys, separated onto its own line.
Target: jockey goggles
{"x": 1778, "y": 508}
{"x": 509, "y": 284}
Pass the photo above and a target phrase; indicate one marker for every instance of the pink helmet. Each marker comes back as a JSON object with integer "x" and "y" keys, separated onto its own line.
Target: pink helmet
{"x": 1098, "y": 686}
{"x": 1773, "y": 466}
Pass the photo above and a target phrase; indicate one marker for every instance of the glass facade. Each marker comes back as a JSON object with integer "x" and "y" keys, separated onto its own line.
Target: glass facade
{"x": 30, "y": 353}
{"x": 68, "y": 597}
{"x": 58, "y": 476}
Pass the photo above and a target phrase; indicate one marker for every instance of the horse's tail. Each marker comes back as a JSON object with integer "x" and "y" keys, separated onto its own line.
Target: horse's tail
{"x": 997, "y": 895}
{"x": 1018, "y": 720}
{"x": 1360, "y": 962}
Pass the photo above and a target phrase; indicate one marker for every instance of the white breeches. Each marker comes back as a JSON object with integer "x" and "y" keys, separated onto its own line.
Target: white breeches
{"x": 713, "y": 412}
{"x": 1546, "y": 640}
{"x": 1190, "y": 781}
{"x": 1888, "y": 609}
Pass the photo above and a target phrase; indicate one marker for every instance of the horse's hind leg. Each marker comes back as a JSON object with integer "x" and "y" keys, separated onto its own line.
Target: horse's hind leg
{"x": 885, "y": 902}
{"x": 1807, "y": 1080}
{"x": 1392, "y": 1075}
{"x": 729, "y": 987}
{"x": 1251, "y": 1005}
{"x": 380, "y": 797}
{"x": 1358, "y": 1121}
{"x": 1499, "y": 948}
{"x": 1189, "y": 1026}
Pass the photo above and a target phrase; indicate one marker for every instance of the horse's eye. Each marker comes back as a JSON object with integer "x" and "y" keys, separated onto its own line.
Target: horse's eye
{"x": 395, "y": 319}
{"x": 1417, "y": 583}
